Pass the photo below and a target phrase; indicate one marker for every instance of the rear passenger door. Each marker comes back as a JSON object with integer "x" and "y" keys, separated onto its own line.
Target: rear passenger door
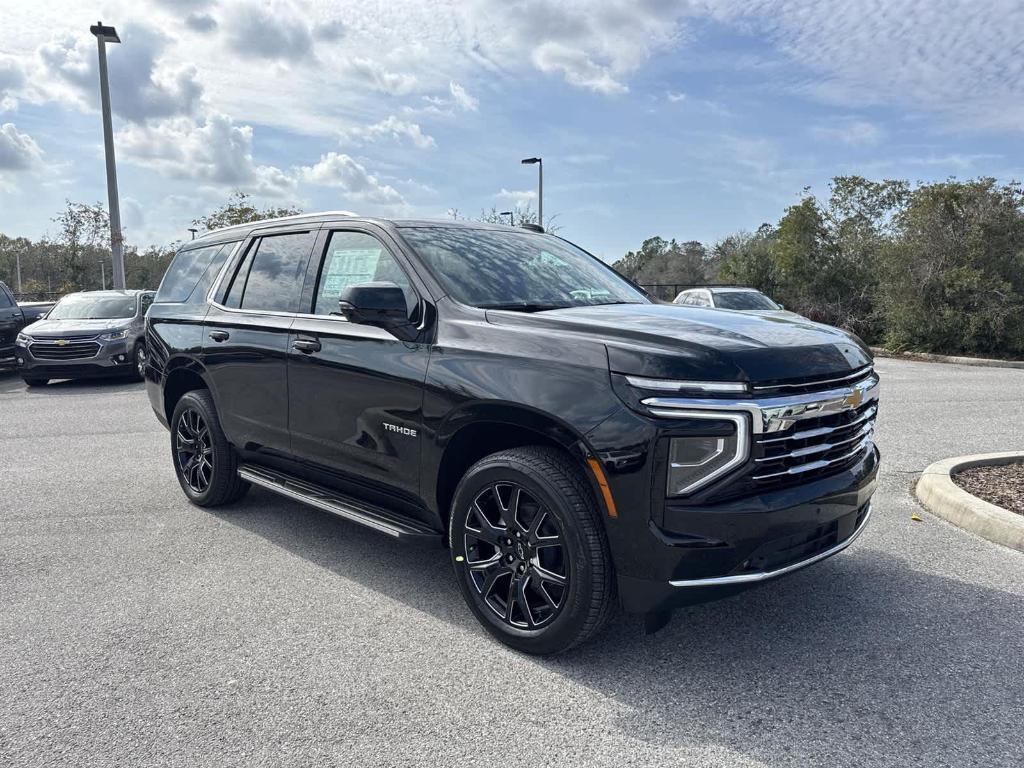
{"x": 356, "y": 391}
{"x": 245, "y": 340}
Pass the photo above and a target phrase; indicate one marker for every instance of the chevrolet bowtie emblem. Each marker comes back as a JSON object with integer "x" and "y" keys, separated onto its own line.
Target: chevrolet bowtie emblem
{"x": 62, "y": 342}
{"x": 854, "y": 398}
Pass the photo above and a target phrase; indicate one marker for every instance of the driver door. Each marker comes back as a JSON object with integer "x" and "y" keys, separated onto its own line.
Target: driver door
{"x": 355, "y": 391}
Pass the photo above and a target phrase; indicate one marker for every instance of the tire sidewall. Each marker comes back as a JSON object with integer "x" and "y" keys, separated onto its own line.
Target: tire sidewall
{"x": 563, "y": 629}
{"x": 140, "y": 351}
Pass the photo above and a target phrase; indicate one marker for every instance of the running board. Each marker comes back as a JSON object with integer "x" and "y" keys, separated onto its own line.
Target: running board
{"x": 371, "y": 516}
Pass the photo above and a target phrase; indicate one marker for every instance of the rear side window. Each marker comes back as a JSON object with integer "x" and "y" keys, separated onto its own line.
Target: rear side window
{"x": 191, "y": 274}
{"x": 5, "y": 301}
{"x": 271, "y": 275}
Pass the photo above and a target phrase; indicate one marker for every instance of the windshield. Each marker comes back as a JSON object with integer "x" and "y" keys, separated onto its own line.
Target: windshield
{"x": 522, "y": 271}
{"x": 93, "y": 308}
{"x": 743, "y": 300}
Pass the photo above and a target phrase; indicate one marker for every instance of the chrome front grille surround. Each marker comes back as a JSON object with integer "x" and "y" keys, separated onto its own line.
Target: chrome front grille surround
{"x": 795, "y": 437}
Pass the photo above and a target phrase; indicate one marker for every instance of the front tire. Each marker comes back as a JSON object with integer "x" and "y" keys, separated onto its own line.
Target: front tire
{"x": 530, "y": 552}
{"x": 205, "y": 463}
{"x": 139, "y": 358}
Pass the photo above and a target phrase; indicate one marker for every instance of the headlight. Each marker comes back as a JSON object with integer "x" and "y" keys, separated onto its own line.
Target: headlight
{"x": 23, "y": 340}
{"x": 693, "y": 462}
{"x": 121, "y": 333}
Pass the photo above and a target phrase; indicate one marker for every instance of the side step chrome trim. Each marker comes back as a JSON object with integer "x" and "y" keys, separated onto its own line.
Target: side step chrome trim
{"x": 377, "y": 518}
{"x": 748, "y": 578}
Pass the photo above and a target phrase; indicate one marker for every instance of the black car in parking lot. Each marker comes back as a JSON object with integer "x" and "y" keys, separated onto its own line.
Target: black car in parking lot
{"x": 576, "y": 446}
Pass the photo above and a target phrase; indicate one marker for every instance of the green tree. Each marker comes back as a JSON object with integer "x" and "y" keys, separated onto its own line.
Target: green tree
{"x": 239, "y": 209}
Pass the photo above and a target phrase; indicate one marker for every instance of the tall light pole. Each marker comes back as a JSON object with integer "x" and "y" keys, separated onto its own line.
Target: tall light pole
{"x": 106, "y": 35}
{"x": 540, "y": 185}
{"x": 511, "y": 217}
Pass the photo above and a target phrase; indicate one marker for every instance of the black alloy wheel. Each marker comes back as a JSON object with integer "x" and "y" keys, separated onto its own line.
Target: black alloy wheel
{"x": 193, "y": 450}
{"x": 530, "y": 551}
{"x": 516, "y": 556}
{"x": 205, "y": 463}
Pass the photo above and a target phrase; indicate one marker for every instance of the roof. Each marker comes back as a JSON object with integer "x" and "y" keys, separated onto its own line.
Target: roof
{"x": 329, "y": 215}
{"x": 113, "y": 293}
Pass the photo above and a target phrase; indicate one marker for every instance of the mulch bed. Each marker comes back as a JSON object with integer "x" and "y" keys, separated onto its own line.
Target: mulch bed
{"x": 1002, "y": 486}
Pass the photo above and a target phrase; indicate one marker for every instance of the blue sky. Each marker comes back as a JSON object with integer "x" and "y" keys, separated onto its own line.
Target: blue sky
{"x": 681, "y": 119}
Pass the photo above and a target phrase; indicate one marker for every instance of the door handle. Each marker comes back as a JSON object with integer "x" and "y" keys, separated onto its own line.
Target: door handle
{"x": 220, "y": 335}
{"x": 306, "y": 345}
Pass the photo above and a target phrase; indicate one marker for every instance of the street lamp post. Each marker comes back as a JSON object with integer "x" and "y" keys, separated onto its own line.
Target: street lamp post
{"x": 511, "y": 217}
{"x": 193, "y": 230}
{"x": 540, "y": 185}
{"x": 106, "y": 35}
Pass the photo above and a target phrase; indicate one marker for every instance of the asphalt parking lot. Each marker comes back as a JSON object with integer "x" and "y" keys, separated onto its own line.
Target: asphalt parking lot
{"x": 139, "y": 630}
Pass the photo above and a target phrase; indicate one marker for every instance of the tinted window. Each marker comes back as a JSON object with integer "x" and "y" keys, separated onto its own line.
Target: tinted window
{"x": 743, "y": 300}
{"x": 275, "y": 278}
{"x": 517, "y": 270}
{"x": 146, "y": 299}
{"x": 191, "y": 273}
{"x": 5, "y": 300}
{"x": 233, "y": 293}
{"x": 352, "y": 258}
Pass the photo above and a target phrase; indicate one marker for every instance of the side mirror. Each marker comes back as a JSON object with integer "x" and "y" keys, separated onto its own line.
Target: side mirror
{"x": 378, "y": 304}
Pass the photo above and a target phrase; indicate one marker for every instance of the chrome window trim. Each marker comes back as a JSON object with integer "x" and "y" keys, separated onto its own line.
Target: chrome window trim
{"x": 748, "y": 578}
{"x": 773, "y": 414}
{"x": 740, "y": 457}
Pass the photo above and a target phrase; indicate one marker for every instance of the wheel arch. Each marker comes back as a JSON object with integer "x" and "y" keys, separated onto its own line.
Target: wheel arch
{"x": 182, "y": 376}
{"x": 480, "y": 429}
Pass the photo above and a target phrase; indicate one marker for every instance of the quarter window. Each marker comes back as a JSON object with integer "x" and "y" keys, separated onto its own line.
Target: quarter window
{"x": 352, "y": 258}
{"x": 190, "y": 275}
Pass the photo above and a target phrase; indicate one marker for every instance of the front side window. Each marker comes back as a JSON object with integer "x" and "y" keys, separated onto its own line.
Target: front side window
{"x": 4, "y": 300}
{"x": 525, "y": 271}
{"x": 270, "y": 277}
{"x": 85, "y": 307}
{"x": 352, "y": 258}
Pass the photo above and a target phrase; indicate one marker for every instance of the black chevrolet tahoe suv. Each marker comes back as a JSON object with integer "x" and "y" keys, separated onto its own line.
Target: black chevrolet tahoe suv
{"x": 575, "y": 445}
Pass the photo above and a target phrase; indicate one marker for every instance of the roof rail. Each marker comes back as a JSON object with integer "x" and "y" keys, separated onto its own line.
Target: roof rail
{"x": 278, "y": 219}
{"x": 531, "y": 227}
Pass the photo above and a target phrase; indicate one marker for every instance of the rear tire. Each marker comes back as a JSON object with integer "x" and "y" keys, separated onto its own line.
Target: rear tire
{"x": 530, "y": 552}
{"x": 34, "y": 382}
{"x": 205, "y": 463}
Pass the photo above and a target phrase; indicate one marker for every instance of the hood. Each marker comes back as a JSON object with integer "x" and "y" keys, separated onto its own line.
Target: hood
{"x": 681, "y": 342}
{"x": 769, "y": 313}
{"x": 54, "y": 328}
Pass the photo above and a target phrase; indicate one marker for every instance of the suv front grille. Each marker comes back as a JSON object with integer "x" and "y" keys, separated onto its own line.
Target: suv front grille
{"x": 813, "y": 448}
{"x": 75, "y": 350}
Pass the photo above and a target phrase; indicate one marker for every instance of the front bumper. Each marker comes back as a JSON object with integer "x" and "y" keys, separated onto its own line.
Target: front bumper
{"x": 111, "y": 358}
{"x": 720, "y": 550}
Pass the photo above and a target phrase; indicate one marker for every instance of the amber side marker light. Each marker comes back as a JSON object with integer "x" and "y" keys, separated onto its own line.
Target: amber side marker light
{"x": 602, "y": 482}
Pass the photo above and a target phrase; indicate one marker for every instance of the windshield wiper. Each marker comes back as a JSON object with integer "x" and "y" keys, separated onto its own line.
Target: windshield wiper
{"x": 524, "y": 306}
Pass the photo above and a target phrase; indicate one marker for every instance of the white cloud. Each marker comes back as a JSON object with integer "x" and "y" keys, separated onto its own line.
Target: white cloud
{"x": 462, "y": 98}
{"x": 577, "y": 68}
{"x": 141, "y": 87}
{"x": 12, "y": 79}
{"x": 339, "y": 170}
{"x": 275, "y": 30}
{"x": 201, "y": 22}
{"x": 18, "y": 151}
{"x": 213, "y": 150}
{"x": 375, "y": 76}
{"x": 675, "y": 96}
{"x": 519, "y": 197}
{"x": 391, "y": 127}
{"x": 851, "y": 132}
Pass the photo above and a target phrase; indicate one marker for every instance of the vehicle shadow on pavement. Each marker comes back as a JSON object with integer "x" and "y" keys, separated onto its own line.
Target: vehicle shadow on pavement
{"x": 858, "y": 660}
{"x": 10, "y": 382}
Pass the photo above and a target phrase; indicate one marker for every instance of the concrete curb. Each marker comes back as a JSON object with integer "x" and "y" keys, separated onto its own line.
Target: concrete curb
{"x": 982, "y": 362}
{"x": 947, "y": 500}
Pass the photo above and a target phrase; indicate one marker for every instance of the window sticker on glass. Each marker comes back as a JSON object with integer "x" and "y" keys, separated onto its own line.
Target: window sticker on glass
{"x": 350, "y": 267}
